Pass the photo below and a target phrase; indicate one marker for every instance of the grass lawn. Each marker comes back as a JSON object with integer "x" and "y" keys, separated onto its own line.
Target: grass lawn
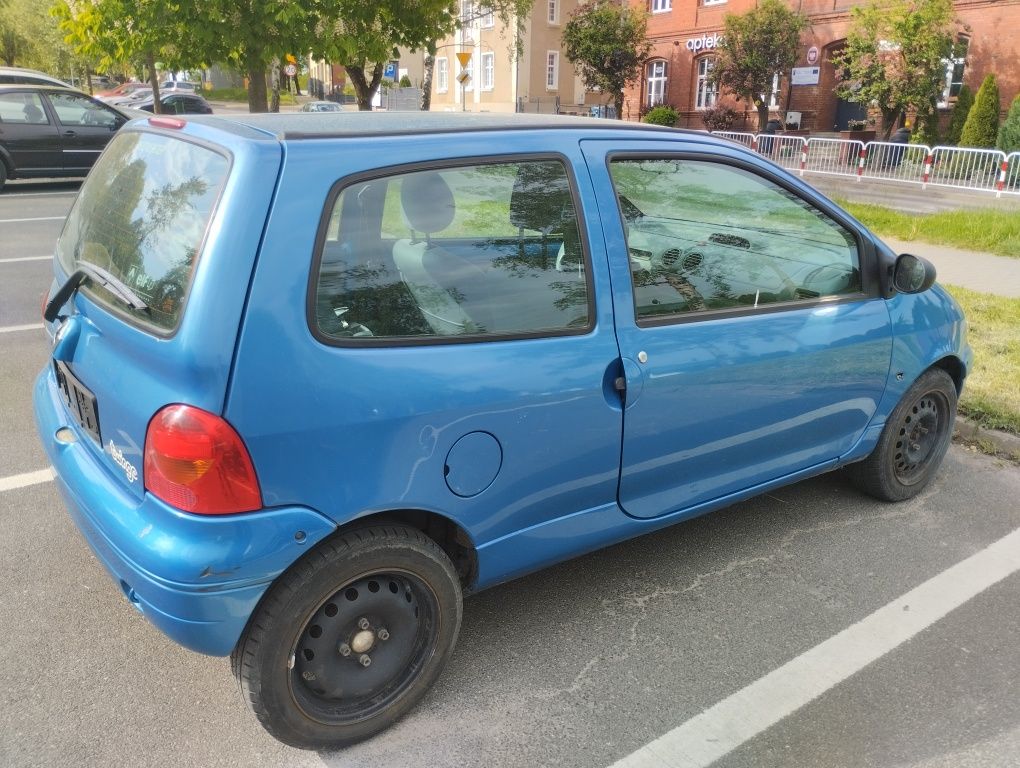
{"x": 992, "y": 393}
{"x": 241, "y": 94}
{"x": 991, "y": 230}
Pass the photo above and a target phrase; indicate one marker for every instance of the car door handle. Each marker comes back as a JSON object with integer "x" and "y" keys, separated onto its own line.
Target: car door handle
{"x": 70, "y": 134}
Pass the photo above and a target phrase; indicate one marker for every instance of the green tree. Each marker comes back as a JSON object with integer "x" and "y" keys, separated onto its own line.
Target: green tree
{"x": 607, "y": 44}
{"x": 1009, "y": 133}
{"x": 964, "y": 101}
{"x": 896, "y": 55}
{"x": 757, "y": 47}
{"x": 23, "y": 26}
{"x": 113, "y": 33}
{"x": 982, "y": 126}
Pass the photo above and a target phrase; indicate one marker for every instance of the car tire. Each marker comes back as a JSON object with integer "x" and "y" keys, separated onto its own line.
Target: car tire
{"x": 3, "y": 174}
{"x": 914, "y": 441}
{"x": 350, "y": 638}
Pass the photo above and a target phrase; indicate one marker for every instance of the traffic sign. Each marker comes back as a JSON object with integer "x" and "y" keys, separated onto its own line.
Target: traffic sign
{"x": 463, "y": 77}
{"x": 390, "y": 70}
{"x": 464, "y": 57}
{"x": 290, "y": 70}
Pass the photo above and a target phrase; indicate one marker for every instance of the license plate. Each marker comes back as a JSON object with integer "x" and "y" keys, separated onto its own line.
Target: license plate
{"x": 80, "y": 401}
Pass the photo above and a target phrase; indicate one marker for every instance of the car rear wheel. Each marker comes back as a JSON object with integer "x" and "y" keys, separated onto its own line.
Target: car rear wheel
{"x": 3, "y": 175}
{"x": 351, "y": 638}
{"x": 914, "y": 441}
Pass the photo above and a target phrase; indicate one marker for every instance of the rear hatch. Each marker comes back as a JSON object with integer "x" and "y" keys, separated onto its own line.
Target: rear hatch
{"x": 165, "y": 231}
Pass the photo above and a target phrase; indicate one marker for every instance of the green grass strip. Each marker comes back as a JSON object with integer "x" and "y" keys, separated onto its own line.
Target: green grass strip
{"x": 992, "y": 392}
{"x": 990, "y": 230}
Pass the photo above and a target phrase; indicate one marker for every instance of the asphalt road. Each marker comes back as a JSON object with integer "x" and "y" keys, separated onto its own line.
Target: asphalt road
{"x": 579, "y": 665}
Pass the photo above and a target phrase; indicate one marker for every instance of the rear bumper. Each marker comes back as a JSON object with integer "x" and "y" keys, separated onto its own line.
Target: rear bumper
{"x": 198, "y": 579}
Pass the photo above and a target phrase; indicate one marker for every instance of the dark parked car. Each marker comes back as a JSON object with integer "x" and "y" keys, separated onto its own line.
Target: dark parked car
{"x": 48, "y": 131}
{"x": 178, "y": 104}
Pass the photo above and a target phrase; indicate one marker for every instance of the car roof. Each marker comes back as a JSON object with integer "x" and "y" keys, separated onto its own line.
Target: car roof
{"x": 323, "y": 125}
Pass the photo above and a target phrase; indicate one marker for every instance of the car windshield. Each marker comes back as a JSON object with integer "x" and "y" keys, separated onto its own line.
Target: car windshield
{"x": 142, "y": 216}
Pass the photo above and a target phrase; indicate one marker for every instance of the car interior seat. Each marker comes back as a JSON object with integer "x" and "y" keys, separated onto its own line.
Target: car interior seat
{"x": 33, "y": 115}
{"x": 442, "y": 283}
{"x": 541, "y": 202}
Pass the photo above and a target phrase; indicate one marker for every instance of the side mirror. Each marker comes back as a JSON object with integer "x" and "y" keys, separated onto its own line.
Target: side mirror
{"x": 913, "y": 274}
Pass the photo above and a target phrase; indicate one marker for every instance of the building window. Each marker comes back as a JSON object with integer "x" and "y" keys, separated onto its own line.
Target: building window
{"x": 554, "y": 11}
{"x": 488, "y": 71}
{"x": 655, "y": 74}
{"x": 707, "y": 92}
{"x": 954, "y": 72}
{"x": 661, "y": 6}
{"x": 774, "y": 99}
{"x": 713, "y": 2}
{"x": 552, "y": 70}
{"x": 442, "y": 75}
{"x": 467, "y": 10}
{"x": 488, "y": 17}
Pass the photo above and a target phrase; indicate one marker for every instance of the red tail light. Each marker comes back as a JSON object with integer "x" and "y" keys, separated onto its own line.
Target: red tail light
{"x": 195, "y": 461}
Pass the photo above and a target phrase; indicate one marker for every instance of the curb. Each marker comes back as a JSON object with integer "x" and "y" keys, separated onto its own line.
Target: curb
{"x": 1003, "y": 442}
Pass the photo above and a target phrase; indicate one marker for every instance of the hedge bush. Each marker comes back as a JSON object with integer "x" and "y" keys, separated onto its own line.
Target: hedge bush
{"x": 982, "y": 126}
{"x": 1009, "y": 133}
{"x": 662, "y": 115}
{"x": 964, "y": 101}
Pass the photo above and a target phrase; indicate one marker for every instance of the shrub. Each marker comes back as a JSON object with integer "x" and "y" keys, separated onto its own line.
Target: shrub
{"x": 964, "y": 101}
{"x": 719, "y": 118}
{"x": 982, "y": 126}
{"x": 405, "y": 81}
{"x": 1009, "y": 133}
{"x": 662, "y": 115}
{"x": 926, "y": 127}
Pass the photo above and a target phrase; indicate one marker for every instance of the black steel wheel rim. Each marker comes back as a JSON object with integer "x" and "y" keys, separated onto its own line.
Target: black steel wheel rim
{"x": 921, "y": 434}
{"x": 364, "y": 647}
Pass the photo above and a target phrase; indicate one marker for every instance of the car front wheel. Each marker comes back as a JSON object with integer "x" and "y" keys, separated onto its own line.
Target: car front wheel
{"x": 350, "y": 638}
{"x": 914, "y": 441}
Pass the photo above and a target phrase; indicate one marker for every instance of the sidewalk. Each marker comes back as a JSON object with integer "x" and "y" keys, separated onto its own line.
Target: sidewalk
{"x": 969, "y": 269}
{"x": 909, "y": 198}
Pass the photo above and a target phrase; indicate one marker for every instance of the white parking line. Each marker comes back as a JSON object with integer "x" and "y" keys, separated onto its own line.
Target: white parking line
{"x": 26, "y": 258}
{"x": 735, "y": 720}
{"x": 39, "y": 218}
{"x": 26, "y": 479}
{"x": 13, "y": 328}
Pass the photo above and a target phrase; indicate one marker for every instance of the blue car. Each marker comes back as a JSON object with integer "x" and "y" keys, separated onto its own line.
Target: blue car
{"x": 315, "y": 377}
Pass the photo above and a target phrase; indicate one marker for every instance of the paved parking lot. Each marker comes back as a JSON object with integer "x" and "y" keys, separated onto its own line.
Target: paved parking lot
{"x": 580, "y": 665}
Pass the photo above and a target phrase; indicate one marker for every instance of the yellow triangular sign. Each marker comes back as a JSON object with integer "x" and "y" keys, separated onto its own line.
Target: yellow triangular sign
{"x": 464, "y": 57}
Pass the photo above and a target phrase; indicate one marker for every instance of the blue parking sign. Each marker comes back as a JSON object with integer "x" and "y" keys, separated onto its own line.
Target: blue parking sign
{"x": 390, "y": 72}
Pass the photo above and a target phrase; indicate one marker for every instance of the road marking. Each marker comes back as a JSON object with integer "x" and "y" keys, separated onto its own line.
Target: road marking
{"x": 735, "y": 720}
{"x": 26, "y": 479}
{"x": 26, "y": 258}
{"x": 40, "y": 218}
{"x": 13, "y": 328}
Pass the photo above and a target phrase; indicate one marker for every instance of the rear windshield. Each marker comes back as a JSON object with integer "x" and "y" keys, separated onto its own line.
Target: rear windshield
{"x": 142, "y": 215}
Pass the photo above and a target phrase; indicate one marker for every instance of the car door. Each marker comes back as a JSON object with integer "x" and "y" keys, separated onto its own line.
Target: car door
{"x": 27, "y": 134}
{"x": 86, "y": 127}
{"x": 754, "y": 342}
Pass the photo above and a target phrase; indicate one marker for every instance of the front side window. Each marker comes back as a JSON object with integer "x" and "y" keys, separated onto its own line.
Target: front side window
{"x": 488, "y": 71}
{"x": 479, "y": 251}
{"x": 706, "y": 236}
{"x": 22, "y": 108}
{"x": 142, "y": 216}
{"x": 73, "y": 109}
{"x": 552, "y": 70}
{"x": 442, "y": 75}
{"x": 706, "y": 91}
{"x": 655, "y": 72}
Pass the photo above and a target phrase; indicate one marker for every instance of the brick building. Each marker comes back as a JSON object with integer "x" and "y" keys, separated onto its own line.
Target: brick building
{"x": 684, "y": 34}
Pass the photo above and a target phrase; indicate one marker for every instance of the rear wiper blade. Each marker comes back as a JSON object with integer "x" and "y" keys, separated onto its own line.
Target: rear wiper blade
{"x": 97, "y": 275}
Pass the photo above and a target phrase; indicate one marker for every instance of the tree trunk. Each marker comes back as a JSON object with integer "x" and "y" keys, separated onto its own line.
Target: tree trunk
{"x": 426, "y": 83}
{"x": 150, "y": 62}
{"x": 890, "y": 117}
{"x": 258, "y": 99}
{"x": 274, "y": 77}
{"x": 88, "y": 80}
{"x": 363, "y": 89}
{"x": 297, "y": 85}
{"x": 618, "y": 103}
{"x": 763, "y": 115}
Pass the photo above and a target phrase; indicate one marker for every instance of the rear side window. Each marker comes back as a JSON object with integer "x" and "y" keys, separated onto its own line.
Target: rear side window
{"x": 142, "y": 215}
{"x": 25, "y": 108}
{"x": 481, "y": 251}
